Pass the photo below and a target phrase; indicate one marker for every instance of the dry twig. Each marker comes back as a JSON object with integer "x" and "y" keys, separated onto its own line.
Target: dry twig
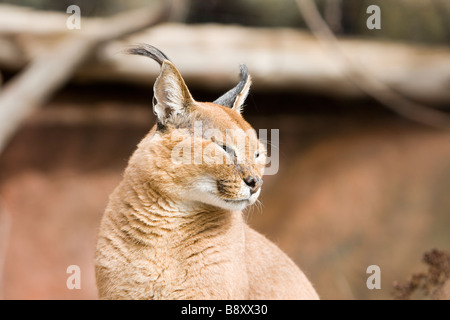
{"x": 51, "y": 70}
{"x": 435, "y": 283}
{"x": 361, "y": 78}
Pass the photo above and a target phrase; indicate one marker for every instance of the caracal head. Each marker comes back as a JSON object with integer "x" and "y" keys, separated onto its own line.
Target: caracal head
{"x": 200, "y": 153}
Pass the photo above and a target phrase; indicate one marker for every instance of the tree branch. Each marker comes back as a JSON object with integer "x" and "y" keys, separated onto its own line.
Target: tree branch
{"x": 50, "y": 70}
{"x": 363, "y": 79}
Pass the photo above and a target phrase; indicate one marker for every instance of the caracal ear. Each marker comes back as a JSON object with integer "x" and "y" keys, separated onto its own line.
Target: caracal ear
{"x": 235, "y": 97}
{"x": 172, "y": 99}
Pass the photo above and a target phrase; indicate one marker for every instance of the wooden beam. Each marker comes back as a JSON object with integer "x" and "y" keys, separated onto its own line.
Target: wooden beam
{"x": 55, "y": 65}
{"x": 209, "y": 55}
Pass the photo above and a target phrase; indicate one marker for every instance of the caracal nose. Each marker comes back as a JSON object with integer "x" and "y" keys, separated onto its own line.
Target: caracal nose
{"x": 254, "y": 183}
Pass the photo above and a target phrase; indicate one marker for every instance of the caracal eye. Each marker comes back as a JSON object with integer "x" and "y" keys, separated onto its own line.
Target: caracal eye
{"x": 227, "y": 149}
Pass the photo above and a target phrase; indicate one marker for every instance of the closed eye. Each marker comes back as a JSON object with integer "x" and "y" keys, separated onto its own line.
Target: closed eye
{"x": 227, "y": 149}
{"x": 260, "y": 153}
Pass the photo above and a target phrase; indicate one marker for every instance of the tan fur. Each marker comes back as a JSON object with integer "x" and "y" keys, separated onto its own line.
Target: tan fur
{"x": 161, "y": 239}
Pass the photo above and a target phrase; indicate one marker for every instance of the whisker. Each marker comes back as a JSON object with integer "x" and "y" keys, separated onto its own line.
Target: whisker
{"x": 269, "y": 143}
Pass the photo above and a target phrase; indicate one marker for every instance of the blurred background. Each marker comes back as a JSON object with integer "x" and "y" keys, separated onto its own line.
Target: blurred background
{"x": 362, "y": 113}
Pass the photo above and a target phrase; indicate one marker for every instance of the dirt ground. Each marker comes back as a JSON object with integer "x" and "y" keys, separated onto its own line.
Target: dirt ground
{"x": 355, "y": 188}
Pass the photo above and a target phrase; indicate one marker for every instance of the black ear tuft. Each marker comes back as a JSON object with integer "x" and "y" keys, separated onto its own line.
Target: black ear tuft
{"x": 235, "y": 97}
{"x": 148, "y": 51}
